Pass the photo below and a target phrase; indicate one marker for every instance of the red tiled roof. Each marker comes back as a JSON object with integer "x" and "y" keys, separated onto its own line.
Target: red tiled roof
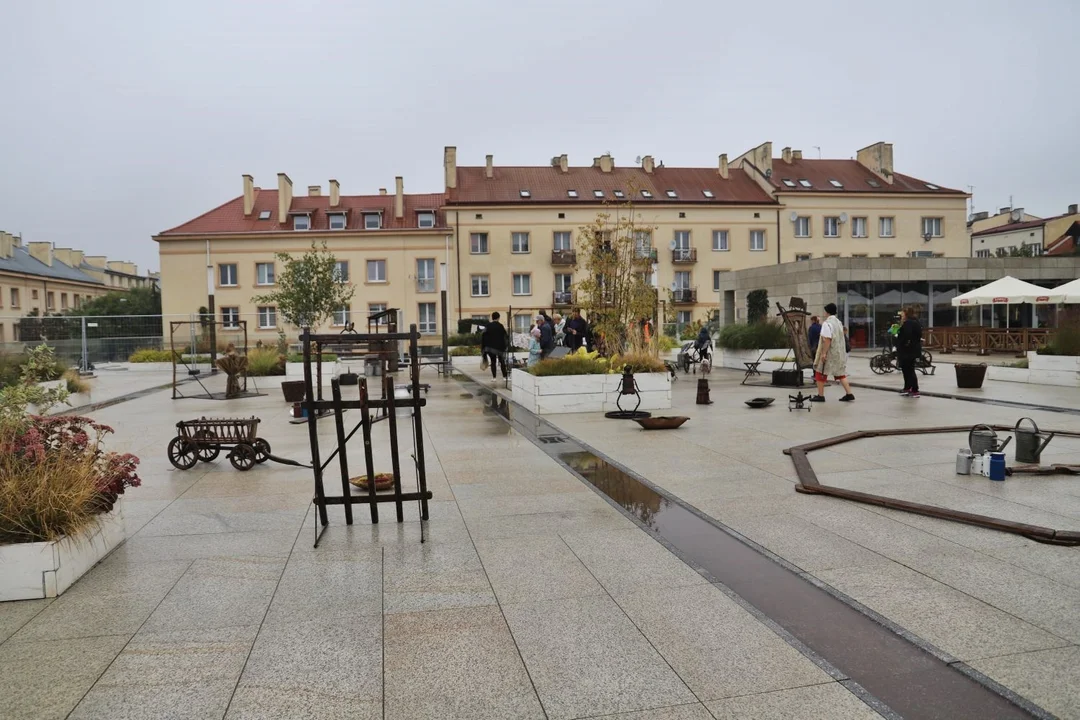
{"x": 1067, "y": 243}
{"x": 851, "y": 174}
{"x": 1019, "y": 225}
{"x": 548, "y": 184}
{"x": 229, "y": 218}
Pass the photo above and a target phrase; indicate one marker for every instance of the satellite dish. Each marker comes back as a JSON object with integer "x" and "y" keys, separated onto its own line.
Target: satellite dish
{"x": 637, "y": 160}
{"x": 672, "y": 245}
{"x": 794, "y": 216}
{"x": 843, "y": 217}
{"x": 674, "y": 287}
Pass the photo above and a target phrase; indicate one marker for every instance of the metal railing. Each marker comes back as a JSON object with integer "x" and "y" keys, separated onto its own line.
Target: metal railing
{"x": 425, "y": 285}
{"x": 562, "y": 298}
{"x": 683, "y": 256}
{"x": 563, "y": 257}
{"x": 684, "y": 295}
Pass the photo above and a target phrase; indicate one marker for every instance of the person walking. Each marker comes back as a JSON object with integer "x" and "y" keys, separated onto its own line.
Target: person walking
{"x": 576, "y": 329}
{"x": 814, "y": 333}
{"x": 547, "y": 335}
{"x": 534, "y": 346}
{"x": 493, "y": 344}
{"x": 560, "y": 328}
{"x": 831, "y": 356}
{"x": 908, "y": 350}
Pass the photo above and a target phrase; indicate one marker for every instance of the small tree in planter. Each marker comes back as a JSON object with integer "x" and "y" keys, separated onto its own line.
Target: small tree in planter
{"x": 616, "y": 257}
{"x": 757, "y": 306}
{"x": 308, "y": 292}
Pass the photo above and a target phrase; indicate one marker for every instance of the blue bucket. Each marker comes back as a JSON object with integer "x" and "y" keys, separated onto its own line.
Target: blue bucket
{"x": 997, "y": 466}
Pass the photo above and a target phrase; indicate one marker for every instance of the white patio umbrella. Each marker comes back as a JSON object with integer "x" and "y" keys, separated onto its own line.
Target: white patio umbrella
{"x": 1008, "y": 291}
{"x": 1070, "y": 292}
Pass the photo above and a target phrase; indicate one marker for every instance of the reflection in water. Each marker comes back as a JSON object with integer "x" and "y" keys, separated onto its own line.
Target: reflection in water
{"x": 636, "y": 497}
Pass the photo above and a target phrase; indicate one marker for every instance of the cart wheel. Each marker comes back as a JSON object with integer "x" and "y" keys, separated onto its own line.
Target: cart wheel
{"x": 183, "y": 453}
{"x": 242, "y": 457}
{"x": 207, "y": 453}
{"x": 877, "y": 365}
{"x": 927, "y": 359}
{"x": 262, "y": 450}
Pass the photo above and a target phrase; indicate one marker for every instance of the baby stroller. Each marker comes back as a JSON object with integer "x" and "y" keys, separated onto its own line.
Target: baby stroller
{"x": 693, "y": 353}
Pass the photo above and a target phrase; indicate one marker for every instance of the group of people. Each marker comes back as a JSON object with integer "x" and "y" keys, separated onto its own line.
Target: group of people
{"x": 830, "y": 346}
{"x": 547, "y": 333}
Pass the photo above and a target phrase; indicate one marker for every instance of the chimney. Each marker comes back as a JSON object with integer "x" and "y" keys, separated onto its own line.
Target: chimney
{"x": 314, "y": 190}
{"x": 284, "y": 197}
{"x": 723, "y": 166}
{"x": 97, "y": 261}
{"x": 249, "y": 195}
{"x": 796, "y": 154}
{"x": 604, "y": 162}
{"x": 399, "y": 197}
{"x": 7, "y": 245}
{"x": 335, "y": 193}
{"x": 76, "y": 258}
{"x": 878, "y": 158}
{"x": 786, "y": 153}
{"x": 450, "y": 166}
{"x": 63, "y": 255}
{"x": 1002, "y": 211}
{"x": 382, "y": 191}
{"x": 1073, "y": 209}
{"x": 489, "y": 169}
{"x": 647, "y": 164}
{"x": 41, "y": 251}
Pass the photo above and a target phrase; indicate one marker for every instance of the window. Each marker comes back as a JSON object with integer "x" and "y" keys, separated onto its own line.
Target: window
{"x": 1036, "y": 248}
{"x": 873, "y": 183}
{"x": 375, "y": 309}
{"x": 708, "y": 193}
{"x": 716, "y": 275}
{"x": 521, "y": 323}
{"x": 267, "y": 318}
{"x": 50, "y": 300}
{"x": 931, "y": 186}
{"x": 427, "y": 318}
{"x": 720, "y": 240}
{"x": 480, "y": 287}
{"x": 858, "y": 227}
{"x": 832, "y": 227}
{"x": 376, "y": 271}
{"x": 684, "y": 317}
{"x": 227, "y": 275}
{"x": 33, "y": 295}
{"x": 372, "y": 221}
{"x": 646, "y": 194}
{"x": 598, "y": 194}
{"x": 478, "y": 244}
{"x": 522, "y": 284}
{"x": 931, "y": 226}
{"x": 757, "y": 240}
{"x": 425, "y": 219}
{"x": 672, "y": 194}
{"x": 264, "y": 215}
{"x": 620, "y": 194}
{"x": 921, "y": 253}
{"x": 682, "y": 280}
{"x": 799, "y": 257}
{"x": 789, "y": 183}
{"x": 805, "y": 183}
{"x": 885, "y": 227}
{"x": 682, "y": 239}
{"x": 571, "y": 193}
{"x": 562, "y": 240}
{"x": 301, "y": 222}
{"x": 836, "y": 183}
{"x": 802, "y": 226}
{"x": 525, "y": 194}
{"x": 982, "y": 253}
{"x": 341, "y": 271}
{"x": 425, "y": 275}
{"x": 63, "y": 301}
{"x": 337, "y": 221}
{"x": 77, "y": 299}
{"x": 643, "y": 244}
{"x": 886, "y": 254}
{"x": 519, "y": 242}
{"x": 264, "y": 273}
{"x": 563, "y": 282}
{"x": 230, "y": 317}
{"x": 342, "y": 316}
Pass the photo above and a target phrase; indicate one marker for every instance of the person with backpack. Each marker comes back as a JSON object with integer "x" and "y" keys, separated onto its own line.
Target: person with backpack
{"x": 908, "y": 350}
{"x": 493, "y": 344}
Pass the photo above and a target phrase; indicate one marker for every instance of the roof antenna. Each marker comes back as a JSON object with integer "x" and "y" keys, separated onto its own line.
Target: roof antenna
{"x": 818, "y": 148}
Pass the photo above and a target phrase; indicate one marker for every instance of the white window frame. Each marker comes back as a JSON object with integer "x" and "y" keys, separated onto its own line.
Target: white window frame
{"x": 478, "y": 243}
{"x": 342, "y": 316}
{"x": 831, "y": 227}
{"x": 716, "y": 275}
{"x": 721, "y": 241}
{"x": 368, "y": 216}
{"x": 682, "y": 239}
{"x": 373, "y": 308}
{"x": 764, "y": 240}
{"x": 337, "y": 221}
{"x": 376, "y": 264}
{"x": 341, "y": 271}
{"x": 480, "y": 285}
{"x": 803, "y": 257}
{"x": 569, "y": 283}
{"x": 985, "y": 253}
{"x": 301, "y": 222}
{"x": 684, "y": 317}
{"x": 267, "y": 313}
{"x": 517, "y": 247}
{"x": 422, "y": 277}
{"x": 891, "y": 221}
{"x": 428, "y": 326}
{"x": 270, "y": 277}
{"x": 525, "y": 282}
{"x": 854, "y": 227}
{"x": 230, "y": 317}
{"x": 679, "y": 274}
{"x": 558, "y": 235}
{"x": 235, "y": 275}
{"x": 425, "y": 219}
{"x": 934, "y": 226}
{"x": 802, "y": 226}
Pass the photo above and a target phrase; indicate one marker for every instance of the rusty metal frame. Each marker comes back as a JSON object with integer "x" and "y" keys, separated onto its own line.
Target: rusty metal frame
{"x": 809, "y": 484}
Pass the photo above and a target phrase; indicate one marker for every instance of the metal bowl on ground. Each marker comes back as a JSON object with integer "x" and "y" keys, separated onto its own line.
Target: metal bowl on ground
{"x": 760, "y": 402}
{"x": 661, "y": 422}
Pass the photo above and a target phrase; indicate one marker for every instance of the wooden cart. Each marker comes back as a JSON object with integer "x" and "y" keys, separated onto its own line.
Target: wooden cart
{"x": 204, "y": 439}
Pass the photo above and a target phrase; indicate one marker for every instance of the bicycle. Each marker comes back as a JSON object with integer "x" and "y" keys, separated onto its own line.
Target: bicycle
{"x": 885, "y": 362}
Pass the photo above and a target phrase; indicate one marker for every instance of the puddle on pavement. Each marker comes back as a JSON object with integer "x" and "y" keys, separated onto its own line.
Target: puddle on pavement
{"x": 909, "y": 680}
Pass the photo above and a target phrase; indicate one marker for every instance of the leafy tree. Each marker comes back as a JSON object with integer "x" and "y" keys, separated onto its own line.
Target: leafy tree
{"x": 615, "y": 255}
{"x": 308, "y": 290}
{"x": 1022, "y": 251}
{"x": 137, "y": 301}
{"x": 757, "y": 306}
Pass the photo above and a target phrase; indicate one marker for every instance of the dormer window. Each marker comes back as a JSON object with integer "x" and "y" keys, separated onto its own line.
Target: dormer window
{"x": 646, "y": 194}
{"x": 337, "y": 221}
{"x": 789, "y": 183}
{"x": 598, "y": 194}
{"x": 372, "y": 221}
{"x": 836, "y": 183}
{"x": 301, "y": 222}
{"x": 671, "y": 194}
{"x": 571, "y": 193}
{"x": 805, "y": 183}
{"x": 264, "y": 215}
{"x": 873, "y": 183}
{"x": 619, "y": 194}
{"x": 425, "y": 219}
{"x": 708, "y": 193}
{"x": 930, "y": 186}
{"x": 525, "y": 193}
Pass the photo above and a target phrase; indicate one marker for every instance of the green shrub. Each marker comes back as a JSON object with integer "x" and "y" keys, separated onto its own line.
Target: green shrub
{"x": 11, "y": 368}
{"x": 639, "y": 362}
{"x": 758, "y": 336}
{"x": 1021, "y": 364}
{"x": 464, "y": 339}
{"x": 667, "y": 343}
{"x": 464, "y": 326}
{"x": 569, "y": 366}
{"x": 298, "y": 357}
{"x": 147, "y": 355}
{"x": 690, "y": 330}
{"x": 75, "y": 383}
{"x": 265, "y": 361}
{"x": 757, "y": 306}
{"x": 465, "y": 351}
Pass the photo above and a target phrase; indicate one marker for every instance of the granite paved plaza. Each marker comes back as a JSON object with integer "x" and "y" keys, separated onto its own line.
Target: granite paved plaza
{"x": 533, "y": 596}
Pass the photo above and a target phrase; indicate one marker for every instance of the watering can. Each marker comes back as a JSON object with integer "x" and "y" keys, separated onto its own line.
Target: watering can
{"x": 1030, "y": 442}
{"x": 983, "y": 440}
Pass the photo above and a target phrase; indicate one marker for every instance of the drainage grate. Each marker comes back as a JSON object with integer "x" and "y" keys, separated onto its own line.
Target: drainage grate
{"x": 551, "y": 439}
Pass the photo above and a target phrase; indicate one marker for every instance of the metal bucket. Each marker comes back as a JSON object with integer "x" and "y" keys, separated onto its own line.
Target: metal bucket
{"x": 963, "y": 461}
{"x": 983, "y": 440}
{"x": 1029, "y": 442}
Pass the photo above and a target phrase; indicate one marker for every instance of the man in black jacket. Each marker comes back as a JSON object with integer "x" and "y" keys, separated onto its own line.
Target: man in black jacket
{"x": 908, "y": 349}
{"x": 576, "y": 330}
{"x": 547, "y": 335}
{"x": 493, "y": 343}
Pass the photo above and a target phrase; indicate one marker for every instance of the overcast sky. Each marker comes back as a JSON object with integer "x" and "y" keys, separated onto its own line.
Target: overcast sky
{"x": 125, "y": 118}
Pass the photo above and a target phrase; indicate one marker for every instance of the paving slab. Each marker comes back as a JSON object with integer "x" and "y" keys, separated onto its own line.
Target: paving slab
{"x": 830, "y": 700}
{"x": 434, "y": 576}
{"x": 1050, "y": 678}
{"x": 16, "y": 614}
{"x": 694, "y": 711}
{"x": 328, "y": 585}
{"x": 626, "y": 561}
{"x": 531, "y": 568}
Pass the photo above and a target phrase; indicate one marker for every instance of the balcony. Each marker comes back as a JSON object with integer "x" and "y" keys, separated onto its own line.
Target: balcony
{"x": 425, "y": 285}
{"x": 563, "y": 257}
{"x": 645, "y": 254}
{"x": 684, "y": 256}
{"x": 562, "y": 298}
{"x": 684, "y": 296}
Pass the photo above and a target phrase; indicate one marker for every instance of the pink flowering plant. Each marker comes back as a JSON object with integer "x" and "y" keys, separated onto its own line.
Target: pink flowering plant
{"x": 56, "y": 478}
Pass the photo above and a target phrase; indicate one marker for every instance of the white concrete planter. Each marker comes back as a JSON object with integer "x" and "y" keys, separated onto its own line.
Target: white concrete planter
{"x": 734, "y": 359}
{"x": 296, "y": 370}
{"x": 586, "y": 393}
{"x": 1054, "y": 363}
{"x": 31, "y": 571}
{"x": 1008, "y": 374}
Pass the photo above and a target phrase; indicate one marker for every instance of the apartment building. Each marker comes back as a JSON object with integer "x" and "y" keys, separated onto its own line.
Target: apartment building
{"x": 389, "y": 247}
{"x": 1042, "y": 235}
{"x": 38, "y": 278}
